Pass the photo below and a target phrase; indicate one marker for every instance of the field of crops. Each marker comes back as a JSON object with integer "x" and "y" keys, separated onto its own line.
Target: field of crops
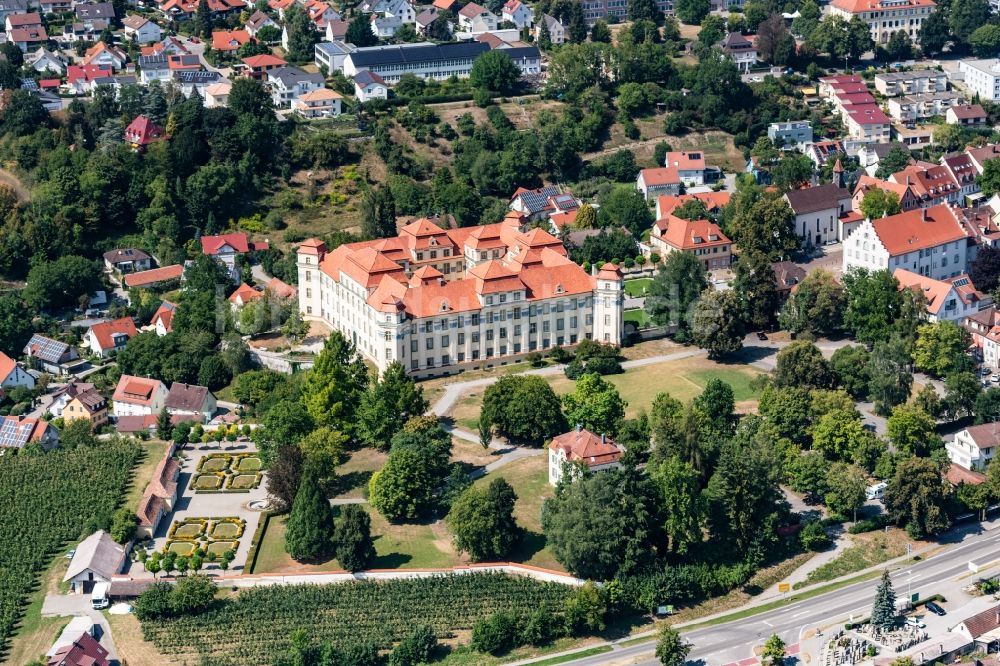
{"x": 47, "y": 501}
{"x": 257, "y": 625}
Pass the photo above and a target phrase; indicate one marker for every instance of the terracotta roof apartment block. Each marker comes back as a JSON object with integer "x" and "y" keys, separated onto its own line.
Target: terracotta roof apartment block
{"x": 919, "y": 229}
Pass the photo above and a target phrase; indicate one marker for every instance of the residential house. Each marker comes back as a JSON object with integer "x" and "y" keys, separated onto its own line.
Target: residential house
{"x": 950, "y": 299}
{"x": 907, "y": 198}
{"x": 913, "y": 82}
{"x": 154, "y": 67}
{"x": 527, "y": 58}
{"x": 190, "y": 81}
{"x": 445, "y": 5}
{"x": 84, "y": 30}
{"x": 159, "y": 497}
{"x": 336, "y": 31}
{"x": 94, "y": 11}
{"x": 701, "y": 238}
{"x": 905, "y": 15}
{"x": 52, "y": 356}
{"x": 596, "y": 453}
{"x": 22, "y": 20}
{"x": 867, "y": 122}
{"x": 983, "y": 629}
{"x": 257, "y": 21}
{"x": 226, "y": 247}
{"x": 217, "y": 94}
{"x": 19, "y": 431}
{"x": 141, "y": 29}
{"x": 62, "y": 396}
{"x": 186, "y": 9}
{"x": 85, "y": 650}
{"x": 401, "y": 9}
{"x": 319, "y": 103}
{"x": 542, "y": 202}
{"x": 138, "y": 396}
{"x": 169, "y": 45}
{"x": 424, "y": 19}
{"x": 980, "y": 156}
{"x": 27, "y": 39}
{"x": 424, "y": 60}
{"x": 229, "y": 41}
{"x": 476, "y": 18}
{"x": 88, "y": 405}
{"x": 142, "y": 132}
{"x": 260, "y": 65}
{"x": 818, "y": 211}
{"x": 910, "y": 108}
{"x": 127, "y": 260}
{"x": 913, "y": 136}
{"x": 243, "y": 295}
{"x": 385, "y": 27}
{"x": 95, "y": 560}
{"x": 287, "y": 83}
{"x": 932, "y": 184}
{"x": 281, "y": 289}
{"x": 369, "y": 86}
{"x": 792, "y": 133}
{"x": 12, "y": 7}
{"x": 108, "y": 337}
{"x": 12, "y": 375}
{"x": 658, "y": 181}
{"x": 329, "y": 56}
{"x": 78, "y": 624}
{"x": 45, "y": 61}
{"x": 967, "y": 115}
{"x": 740, "y": 50}
{"x": 822, "y": 151}
{"x": 557, "y": 31}
{"x": 929, "y": 241}
{"x": 962, "y": 169}
{"x": 162, "y": 321}
{"x": 190, "y": 400}
{"x": 974, "y": 447}
{"x": 786, "y": 276}
{"x": 156, "y": 277}
{"x": 518, "y": 13}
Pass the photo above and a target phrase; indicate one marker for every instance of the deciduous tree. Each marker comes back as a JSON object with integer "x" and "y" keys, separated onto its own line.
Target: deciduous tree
{"x": 716, "y": 322}
{"x": 915, "y": 497}
{"x": 522, "y": 408}
{"x": 386, "y": 405}
{"x": 594, "y": 404}
{"x": 482, "y": 521}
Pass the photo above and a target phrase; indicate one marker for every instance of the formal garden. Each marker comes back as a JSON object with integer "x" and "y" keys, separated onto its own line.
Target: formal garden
{"x": 227, "y": 472}
{"x": 210, "y": 535}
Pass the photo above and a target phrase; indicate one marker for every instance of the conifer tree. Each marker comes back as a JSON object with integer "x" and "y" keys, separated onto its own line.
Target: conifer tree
{"x": 310, "y": 524}
{"x": 884, "y": 605}
{"x": 355, "y": 549}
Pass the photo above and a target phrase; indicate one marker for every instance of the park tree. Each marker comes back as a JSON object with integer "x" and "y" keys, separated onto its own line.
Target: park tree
{"x": 802, "y": 364}
{"x": 522, "y": 408}
{"x": 671, "y": 649}
{"x": 808, "y": 473}
{"x": 378, "y": 213}
{"x": 286, "y": 422}
{"x": 850, "y": 366}
{"x": 678, "y": 485}
{"x": 61, "y": 283}
{"x": 940, "y": 348}
{"x": 309, "y": 534}
{"x": 838, "y": 434}
{"x": 405, "y": 487}
{"x": 987, "y": 407}
{"x": 333, "y": 388}
{"x": 884, "y": 604}
{"x": 674, "y": 289}
{"x": 386, "y": 405}
{"x": 123, "y": 521}
{"x": 807, "y": 20}
{"x": 692, "y": 12}
{"x": 482, "y": 521}
{"x": 353, "y": 538}
{"x": 966, "y": 16}
{"x": 915, "y": 497}
{"x": 192, "y": 595}
{"x": 323, "y": 449}
{"x": 873, "y": 304}
{"x": 878, "y": 203}
{"x": 766, "y": 227}
{"x": 912, "y": 431}
{"x": 597, "y": 527}
{"x": 595, "y": 405}
{"x": 984, "y": 270}
{"x": 816, "y": 307}
{"x": 716, "y": 322}
{"x": 961, "y": 390}
{"x": 900, "y": 46}
{"x": 985, "y": 41}
{"x": 600, "y": 33}
{"x": 745, "y": 491}
{"x": 788, "y": 411}
{"x": 626, "y": 207}
{"x": 845, "y": 489}
{"x": 756, "y": 289}
{"x": 713, "y": 29}
{"x": 494, "y": 71}
{"x": 891, "y": 379}
{"x": 644, "y": 10}
{"x": 989, "y": 179}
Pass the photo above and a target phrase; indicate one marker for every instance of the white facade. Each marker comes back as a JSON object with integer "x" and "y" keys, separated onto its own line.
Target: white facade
{"x": 911, "y": 83}
{"x": 424, "y": 60}
{"x": 885, "y": 17}
{"x": 517, "y": 13}
{"x": 146, "y": 32}
{"x": 974, "y": 447}
{"x": 793, "y": 133}
{"x": 864, "y": 248}
{"x": 17, "y": 377}
{"x": 921, "y": 106}
{"x": 146, "y": 408}
{"x": 982, "y": 77}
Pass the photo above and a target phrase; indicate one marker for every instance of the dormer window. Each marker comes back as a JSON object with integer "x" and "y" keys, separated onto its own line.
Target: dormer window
{"x": 434, "y": 241}
{"x": 444, "y": 306}
{"x": 559, "y": 289}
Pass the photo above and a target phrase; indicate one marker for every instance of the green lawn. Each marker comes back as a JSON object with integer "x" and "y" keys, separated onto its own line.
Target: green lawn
{"x": 639, "y": 318}
{"x": 636, "y": 288}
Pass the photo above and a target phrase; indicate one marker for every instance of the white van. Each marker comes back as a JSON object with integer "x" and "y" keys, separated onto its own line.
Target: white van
{"x": 99, "y": 597}
{"x": 876, "y": 491}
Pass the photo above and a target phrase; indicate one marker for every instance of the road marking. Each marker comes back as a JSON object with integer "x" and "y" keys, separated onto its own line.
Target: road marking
{"x": 767, "y": 623}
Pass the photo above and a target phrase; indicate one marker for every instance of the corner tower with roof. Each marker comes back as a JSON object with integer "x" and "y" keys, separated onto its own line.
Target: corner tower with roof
{"x": 609, "y": 303}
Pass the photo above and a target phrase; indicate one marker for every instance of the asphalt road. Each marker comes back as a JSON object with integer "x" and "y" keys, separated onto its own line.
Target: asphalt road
{"x": 725, "y": 643}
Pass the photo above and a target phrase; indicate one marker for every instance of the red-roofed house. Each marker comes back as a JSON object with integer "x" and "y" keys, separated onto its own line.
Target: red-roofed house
{"x": 968, "y": 115}
{"x": 929, "y": 241}
{"x": 138, "y": 396}
{"x": 281, "y": 289}
{"x": 12, "y": 375}
{"x": 932, "y": 184}
{"x": 690, "y": 166}
{"x": 102, "y": 54}
{"x": 159, "y": 496}
{"x": 597, "y": 453}
{"x": 907, "y": 197}
{"x": 81, "y": 78}
{"x": 702, "y": 238}
{"x": 243, "y": 295}
{"x": 163, "y": 318}
{"x": 84, "y": 651}
{"x": 184, "y": 9}
{"x": 661, "y": 181}
{"x": 867, "y": 122}
{"x": 261, "y": 64}
{"x": 229, "y": 40}
{"x": 28, "y": 39}
{"x": 108, "y": 337}
{"x": 142, "y": 131}
{"x": 155, "y": 276}
{"x": 951, "y": 299}
{"x": 518, "y": 13}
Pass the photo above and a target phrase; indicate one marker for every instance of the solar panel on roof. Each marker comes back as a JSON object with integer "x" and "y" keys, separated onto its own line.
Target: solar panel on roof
{"x": 47, "y": 349}
{"x": 961, "y": 282}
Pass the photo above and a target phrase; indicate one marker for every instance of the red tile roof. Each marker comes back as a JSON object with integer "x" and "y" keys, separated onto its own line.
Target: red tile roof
{"x": 244, "y": 294}
{"x": 968, "y": 111}
{"x": 263, "y": 60}
{"x": 104, "y": 332}
{"x": 586, "y": 447}
{"x": 136, "y": 390}
{"x": 660, "y": 176}
{"x": 84, "y": 651}
{"x": 165, "y": 315}
{"x": 229, "y": 40}
{"x": 153, "y": 276}
{"x": 690, "y": 234}
{"x": 212, "y": 244}
{"x": 142, "y": 131}
{"x": 7, "y": 365}
{"x": 858, "y": 6}
{"x": 686, "y": 160}
{"x": 919, "y": 229}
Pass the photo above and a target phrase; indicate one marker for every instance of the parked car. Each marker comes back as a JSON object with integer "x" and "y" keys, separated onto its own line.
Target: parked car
{"x": 761, "y": 335}
{"x": 985, "y": 371}
{"x": 915, "y": 622}
{"x": 995, "y": 378}
{"x": 934, "y": 608}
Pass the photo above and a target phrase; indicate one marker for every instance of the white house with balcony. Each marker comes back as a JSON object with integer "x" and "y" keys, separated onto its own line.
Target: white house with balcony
{"x": 975, "y": 446}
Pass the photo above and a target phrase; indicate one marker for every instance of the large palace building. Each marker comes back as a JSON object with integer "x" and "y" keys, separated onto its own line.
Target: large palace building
{"x": 442, "y": 300}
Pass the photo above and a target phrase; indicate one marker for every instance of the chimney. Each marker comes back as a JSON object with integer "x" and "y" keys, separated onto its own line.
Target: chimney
{"x": 579, "y": 427}
{"x": 603, "y": 438}
{"x": 923, "y": 214}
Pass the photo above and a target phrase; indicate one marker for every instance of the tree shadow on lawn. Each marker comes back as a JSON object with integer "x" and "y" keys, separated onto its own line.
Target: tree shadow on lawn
{"x": 530, "y": 545}
{"x": 390, "y": 560}
{"x": 352, "y": 481}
